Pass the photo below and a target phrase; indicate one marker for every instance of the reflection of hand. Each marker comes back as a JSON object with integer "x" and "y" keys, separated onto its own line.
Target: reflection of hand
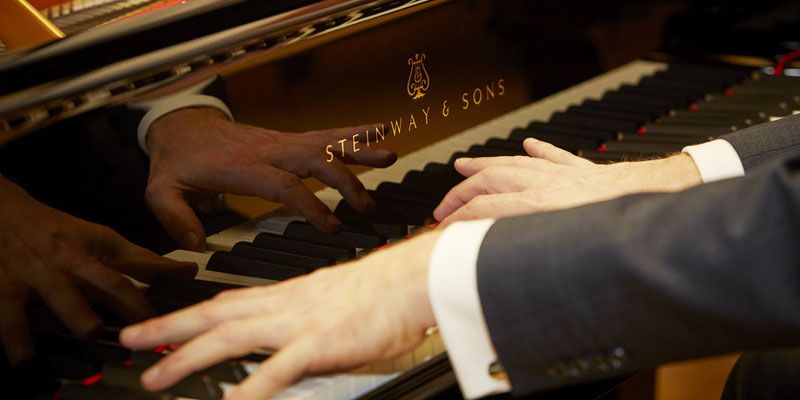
{"x": 552, "y": 179}
{"x": 199, "y": 152}
{"x": 48, "y": 253}
{"x": 335, "y": 319}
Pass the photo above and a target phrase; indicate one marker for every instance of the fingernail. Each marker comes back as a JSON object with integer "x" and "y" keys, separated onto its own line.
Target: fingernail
{"x": 462, "y": 160}
{"x": 333, "y": 220}
{"x": 191, "y": 241}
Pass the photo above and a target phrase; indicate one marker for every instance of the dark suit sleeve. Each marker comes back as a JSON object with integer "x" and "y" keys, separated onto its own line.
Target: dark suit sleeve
{"x": 763, "y": 143}
{"x": 612, "y": 288}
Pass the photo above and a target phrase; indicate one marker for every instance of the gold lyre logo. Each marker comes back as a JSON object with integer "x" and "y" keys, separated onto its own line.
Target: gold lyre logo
{"x": 418, "y": 78}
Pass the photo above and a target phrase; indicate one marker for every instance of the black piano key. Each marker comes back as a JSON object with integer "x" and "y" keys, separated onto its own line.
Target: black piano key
{"x": 563, "y": 141}
{"x": 708, "y": 119}
{"x": 684, "y": 140}
{"x": 439, "y": 168}
{"x": 614, "y": 125}
{"x": 769, "y": 109}
{"x": 591, "y": 132}
{"x": 710, "y": 78}
{"x": 196, "y": 386}
{"x": 646, "y": 109}
{"x": 665, "y": 81}
{"x": 384, "y": 214}
{"x": 344, "y": 238}
{"x": 436, "y": 183}
{"x": 661, "y": 94}
{"x": 777, "y": 81}
{"x": 228, "y": 371}
{"x": 689, "y": 115}
{"x": 513, "y": 145}
{"x": 332, "y": 254}
{"x": 689, "y": 129}
{"x": 640, "y": 117}
{"x": 398, "y": 189}
{"x": 102, "y": 391}
{"x": 223, "y": 261}
{"x": 193, "y": 291}
{"x": 642, "y": 148}
{"x": 732, "y": 74}
{"x": 253, "y": 252}
{"x": 661, "y": 89}
{"x": 644, "y": 99}
{"x": 72, "y": 347}
{"x": 407, "y": 197}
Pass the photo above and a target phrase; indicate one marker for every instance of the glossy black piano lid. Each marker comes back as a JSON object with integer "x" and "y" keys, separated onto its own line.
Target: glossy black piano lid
{"x": 136, "y": 36}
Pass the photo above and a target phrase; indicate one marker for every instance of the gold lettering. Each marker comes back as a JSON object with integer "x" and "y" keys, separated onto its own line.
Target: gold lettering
{"x": 355, "y": 142}
{"x": 489, "y": 92}
{"x": 426, "y": 111}
{"x": 366, "y": 132}
{"x": 380, "y": 132}
{"x": 329, "y": 153}
{"x": 477, "y": 96}
{"x": 465, "y": 100}
{"x": 397, "y": 127}
{"x": 342, "y": 142}
{"x": 445, "y": 109}
{"x": 500, "y": 84}
{"x": 412, "y": 122}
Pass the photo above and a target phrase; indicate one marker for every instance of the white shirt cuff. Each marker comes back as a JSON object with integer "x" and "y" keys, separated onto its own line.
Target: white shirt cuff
{"x": 716, "y": 160}
{"x": 453, "y": 291}
{"x": 189, "y": 97}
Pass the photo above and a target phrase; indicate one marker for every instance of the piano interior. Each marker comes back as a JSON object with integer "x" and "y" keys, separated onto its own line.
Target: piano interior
{"x": 607, "y": 80}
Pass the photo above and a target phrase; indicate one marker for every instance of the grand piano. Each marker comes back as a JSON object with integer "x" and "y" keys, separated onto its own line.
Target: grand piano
{"x": 447, "y": 78}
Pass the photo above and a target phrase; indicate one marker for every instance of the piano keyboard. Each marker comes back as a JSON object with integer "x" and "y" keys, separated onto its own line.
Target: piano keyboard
{"x": 79, "y": 15}
{"x": 643, "y": 109}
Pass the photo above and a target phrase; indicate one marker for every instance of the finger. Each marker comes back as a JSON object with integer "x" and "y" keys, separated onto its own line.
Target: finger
{"x": 112, "y": 288}
{"x": 490, "y": 206}
{"x": 359, "y": 153}
{"x": 471, "y": 166}
{"x": 14, "y": 330}
{"x": 288, "y": 188}
{"x": 177, "y": 217}
{"x": 231, "y": 339}
{"x": 336, "y": 175}
{"x": 140, "y": 263}
{"x": 491, "y": 180}
{"x": 284, "y": 368}
{"x": 187, "y": 323}
{"x": 67, "y": 302}
{"x": 540, "y": 149}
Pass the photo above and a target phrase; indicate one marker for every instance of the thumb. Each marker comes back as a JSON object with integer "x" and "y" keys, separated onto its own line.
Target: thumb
{"x": 177, "y": 217}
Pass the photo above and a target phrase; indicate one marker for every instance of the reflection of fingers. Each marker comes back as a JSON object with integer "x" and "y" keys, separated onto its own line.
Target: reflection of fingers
{"x": 540, "y": 149}
{"x": 170, "y": 207}
{"x": 359, "y": 153}
{"x": 67, "y": 302}
{"x": 14, "y": 330}
{"x": 271, "y": 183}
{"x": 337, "y": 176}
{"x": 227, "y": 340}
{"x": 113, "y": 289}
{"x": 284, "y": 368}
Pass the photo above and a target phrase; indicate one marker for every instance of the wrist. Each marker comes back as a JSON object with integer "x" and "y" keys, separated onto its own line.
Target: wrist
{"x": 671, "y": 174}
{"x": 179, "y": 121}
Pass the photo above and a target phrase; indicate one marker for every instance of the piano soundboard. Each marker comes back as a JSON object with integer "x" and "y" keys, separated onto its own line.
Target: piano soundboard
{"x": 642, "y": 110}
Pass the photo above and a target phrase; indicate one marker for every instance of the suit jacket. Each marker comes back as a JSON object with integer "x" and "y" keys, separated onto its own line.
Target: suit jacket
{"x": 762, "y": 143}
{"x": 612, "y": 288}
